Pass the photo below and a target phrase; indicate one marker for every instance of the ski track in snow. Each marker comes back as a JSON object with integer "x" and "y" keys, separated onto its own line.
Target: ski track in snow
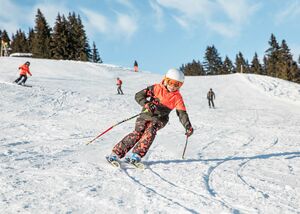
{"x": 243, "y": 157}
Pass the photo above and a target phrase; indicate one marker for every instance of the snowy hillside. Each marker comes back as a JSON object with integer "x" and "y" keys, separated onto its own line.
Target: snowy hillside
{"x": 244, "y": 156}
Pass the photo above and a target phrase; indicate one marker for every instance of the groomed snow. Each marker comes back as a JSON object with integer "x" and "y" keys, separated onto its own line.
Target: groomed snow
{"x": 244, "y": 156}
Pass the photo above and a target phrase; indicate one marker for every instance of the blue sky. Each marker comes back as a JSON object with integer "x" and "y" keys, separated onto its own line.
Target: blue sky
{"x": 161, "y": 34}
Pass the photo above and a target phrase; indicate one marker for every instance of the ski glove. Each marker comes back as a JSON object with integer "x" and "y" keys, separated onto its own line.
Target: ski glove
{"x": 151, "y": 107}
{"x": 189, "y": 131}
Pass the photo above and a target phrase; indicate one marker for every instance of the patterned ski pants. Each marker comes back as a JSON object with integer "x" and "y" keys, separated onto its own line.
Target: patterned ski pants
{"x": 141, "y": 138}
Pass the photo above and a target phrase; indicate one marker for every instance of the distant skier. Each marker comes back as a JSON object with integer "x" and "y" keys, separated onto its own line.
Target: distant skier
{"x": 211, "y": 96}
{"x": 157, "y": 101}
{"x": 119, "y": 84}
{"x": 135, "y": 66}
{"x": 24, "y": 70}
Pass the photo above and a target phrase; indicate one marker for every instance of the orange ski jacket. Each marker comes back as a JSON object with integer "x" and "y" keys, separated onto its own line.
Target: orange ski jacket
{"x": 24, "y": 70}
{"x": 166, "y": 101}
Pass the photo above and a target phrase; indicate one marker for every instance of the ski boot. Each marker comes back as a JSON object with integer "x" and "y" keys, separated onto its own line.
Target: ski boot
{"x": 113, "y": 159}
{"x": 135, "y": 160}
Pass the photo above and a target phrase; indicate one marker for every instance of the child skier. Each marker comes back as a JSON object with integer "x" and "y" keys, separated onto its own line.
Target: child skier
{"x": 24, "y": 70}
{"x": 157, "y": 101}
{"x": 119, "y": 84}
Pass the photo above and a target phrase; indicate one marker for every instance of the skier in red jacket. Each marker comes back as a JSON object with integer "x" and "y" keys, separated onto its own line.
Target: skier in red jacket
{"x": 119, "y": 84}
{"x": 24, "y": 70}
{"x": 157, "y": 101}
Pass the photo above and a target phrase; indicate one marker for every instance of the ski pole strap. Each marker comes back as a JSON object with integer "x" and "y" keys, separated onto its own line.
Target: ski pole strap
{"x": 186, "y": 142}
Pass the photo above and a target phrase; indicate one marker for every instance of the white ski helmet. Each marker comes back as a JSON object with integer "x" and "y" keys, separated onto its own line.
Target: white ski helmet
{"x": 175, "y": 74}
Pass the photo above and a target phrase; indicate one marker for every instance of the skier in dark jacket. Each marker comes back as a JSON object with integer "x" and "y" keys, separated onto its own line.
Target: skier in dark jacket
{"x": 211, "y": 96}
{"x": 157, "y": 101}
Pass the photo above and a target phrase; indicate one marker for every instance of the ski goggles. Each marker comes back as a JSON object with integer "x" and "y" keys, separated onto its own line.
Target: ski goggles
{"x": 173, "y": 83}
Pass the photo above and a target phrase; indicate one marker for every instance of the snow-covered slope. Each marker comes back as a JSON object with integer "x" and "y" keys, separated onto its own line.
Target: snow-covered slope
{"x": 244, "y": 156}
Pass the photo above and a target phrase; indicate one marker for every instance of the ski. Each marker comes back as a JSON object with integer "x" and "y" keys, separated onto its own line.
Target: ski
{"x": 14, "y": 83}
{"x": 25, "y": 85}
{"x": 118, "y": 164}
{"x": 138, "y": 165}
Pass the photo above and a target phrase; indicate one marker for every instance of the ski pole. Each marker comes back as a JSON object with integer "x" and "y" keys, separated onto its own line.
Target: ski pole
{"x": 186, "y": 142}
{"x": 87, "y": 143}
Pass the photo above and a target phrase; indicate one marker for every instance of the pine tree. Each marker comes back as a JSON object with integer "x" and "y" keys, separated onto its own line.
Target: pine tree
{"x": 241, "y": 64}
{"x": 282, "y": 64}
{"x": 272, "y": 56}
{"x": 73, "y": 37}
{"x": 60, "y": 39}
{"x": 6, "y": 41}
{"x": 295, "y": 73}
{"x": 95, "y": 54}
{"x": 5, "y": 37}
{"x": 80, "y": 49}
{"x": 228, "y": 67}
{"x": 41, "y": 41}
{"x": 85, "y": 50}
{"x": 256, "y": 67}
{"x": 0, "y": 41}
{"x": 212, "y": 61}
{"x": 297, "y": 76}
{"x": 19, "y": 43}
{"x": 192, "y": 69}
{"x": 264, "y": 66}
{"x": 30, "y": 39}
{"x": 287, "y": 67}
